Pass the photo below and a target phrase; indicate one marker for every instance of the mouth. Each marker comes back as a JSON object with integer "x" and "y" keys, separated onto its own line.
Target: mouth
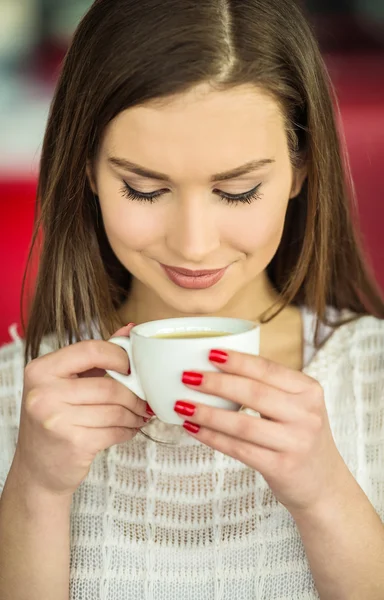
{"x": 194, "y": 280}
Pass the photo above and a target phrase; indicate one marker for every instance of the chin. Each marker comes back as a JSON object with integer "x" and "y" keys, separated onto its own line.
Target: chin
{"x": 198, "y": 303}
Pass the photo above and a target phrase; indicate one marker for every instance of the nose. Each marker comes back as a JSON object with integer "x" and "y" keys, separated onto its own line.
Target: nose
{"x": 193, "y": 232}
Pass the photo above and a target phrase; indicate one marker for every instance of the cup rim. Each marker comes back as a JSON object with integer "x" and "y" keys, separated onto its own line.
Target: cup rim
{"x": 162, "y": 323}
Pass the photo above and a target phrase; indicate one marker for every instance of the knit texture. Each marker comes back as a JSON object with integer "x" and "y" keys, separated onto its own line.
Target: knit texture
{"x": 153, "y": 522}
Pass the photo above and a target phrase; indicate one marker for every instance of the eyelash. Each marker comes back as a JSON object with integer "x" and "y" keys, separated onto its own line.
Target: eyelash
{"x": 246, "y": 198}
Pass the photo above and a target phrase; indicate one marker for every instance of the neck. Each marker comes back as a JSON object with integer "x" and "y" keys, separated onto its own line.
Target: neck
{"x": 143, "y": 304}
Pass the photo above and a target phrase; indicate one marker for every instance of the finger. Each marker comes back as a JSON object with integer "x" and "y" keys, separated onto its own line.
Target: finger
{"x": 103, "y": 438}
{"x": 269, "y": 434}
{"x": 126, "y": 330}
{"x": 82, "y": 356}
{"x": 257, "y": 457}
{"x": 107, "y": 391}
{"x": 93, "y": 439}
{"x": 96, "y": 416}
{"x": 262, "y": 369}
{"x": 82, "y": 392}
{"x": 265, "y": 399}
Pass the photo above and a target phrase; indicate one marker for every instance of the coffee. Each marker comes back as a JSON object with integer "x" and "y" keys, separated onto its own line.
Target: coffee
{"x": 191, "y": 334}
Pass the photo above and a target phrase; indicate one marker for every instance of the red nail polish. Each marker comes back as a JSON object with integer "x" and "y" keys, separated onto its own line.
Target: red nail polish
{"x": 192, "y": 378}
{"x": 192, "y": 427}
{"x": 184, "y": 408}
{"x": 129, "y": 371}
{"x": 149, "y": 410}
{"x": 218, "y": 356}
{"x": 146, "y": 419}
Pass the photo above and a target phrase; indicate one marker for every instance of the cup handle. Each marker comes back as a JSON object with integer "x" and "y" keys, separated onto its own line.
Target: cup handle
{"x": 131, "y": 381}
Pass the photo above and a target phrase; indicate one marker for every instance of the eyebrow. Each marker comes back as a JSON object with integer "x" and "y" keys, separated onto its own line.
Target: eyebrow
{"x": 253, "y": 165}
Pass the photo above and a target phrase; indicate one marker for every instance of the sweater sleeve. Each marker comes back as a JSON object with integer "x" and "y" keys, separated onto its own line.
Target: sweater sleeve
{"x": 367, "y": 353}
{"x": 11, "y": 389}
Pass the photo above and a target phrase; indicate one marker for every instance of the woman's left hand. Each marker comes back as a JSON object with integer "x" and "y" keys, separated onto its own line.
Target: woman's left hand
{"x": 291, "y": 445}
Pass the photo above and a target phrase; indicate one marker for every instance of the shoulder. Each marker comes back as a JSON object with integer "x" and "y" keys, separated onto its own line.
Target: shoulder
{"x": 364, "y": 339}
{"x": 11, "y": 357}
{"x": 354, "y": 333}
{"x": 12, "y": 353}
{"x": 12, "y": 362}
{"x": 11, "y": 386}
{"x": 366, "y": 350}
{"x": 354, "y": 357}
{"x": 370, "y": 328}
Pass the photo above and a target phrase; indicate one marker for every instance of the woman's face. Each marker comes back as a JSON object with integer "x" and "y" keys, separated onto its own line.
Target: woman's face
{"x": 193, "y": 223}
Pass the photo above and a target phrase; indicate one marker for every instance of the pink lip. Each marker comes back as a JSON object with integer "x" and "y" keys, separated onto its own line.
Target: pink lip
{"x": 194, "y": 280}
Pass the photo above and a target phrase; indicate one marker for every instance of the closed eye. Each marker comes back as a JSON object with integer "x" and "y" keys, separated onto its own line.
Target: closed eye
{"x": 245, "y": 198}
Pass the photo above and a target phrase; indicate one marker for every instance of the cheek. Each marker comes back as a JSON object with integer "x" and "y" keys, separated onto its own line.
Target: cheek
{"x": 257, "y": 228}
{"x": 130, "y": 225}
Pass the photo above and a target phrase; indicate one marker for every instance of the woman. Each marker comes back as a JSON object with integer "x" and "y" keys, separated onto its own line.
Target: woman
{"x": 184, "y": 137}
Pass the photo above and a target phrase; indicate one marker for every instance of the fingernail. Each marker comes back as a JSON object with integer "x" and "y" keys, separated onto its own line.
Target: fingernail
{"x": 149, "y": 410}
{"x": 192, "y": 427}
{"x": 146, "y": 419}
{"x": 129, "y": 371}
{"x": 218, "y": 356}
{"x": 128, "y": 324}
{"x": 192, "y": 378}
{"x": 184, "y": 408}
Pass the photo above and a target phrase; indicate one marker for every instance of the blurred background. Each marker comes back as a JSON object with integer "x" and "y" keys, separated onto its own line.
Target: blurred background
{"x": 34, "y": 35}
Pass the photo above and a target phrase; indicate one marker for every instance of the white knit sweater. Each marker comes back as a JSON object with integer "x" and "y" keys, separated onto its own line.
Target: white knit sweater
{"x": 185, "y": 522}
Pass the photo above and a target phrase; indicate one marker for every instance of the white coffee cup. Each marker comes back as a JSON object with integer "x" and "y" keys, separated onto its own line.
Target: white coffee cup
{"x": 157, "y": 363}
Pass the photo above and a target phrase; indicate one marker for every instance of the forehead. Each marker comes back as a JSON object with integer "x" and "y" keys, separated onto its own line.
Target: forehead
{"x": 205, "y": 128}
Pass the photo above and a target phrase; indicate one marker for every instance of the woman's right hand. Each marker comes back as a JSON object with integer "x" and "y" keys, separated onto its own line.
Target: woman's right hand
{"x": 70, "y": 412}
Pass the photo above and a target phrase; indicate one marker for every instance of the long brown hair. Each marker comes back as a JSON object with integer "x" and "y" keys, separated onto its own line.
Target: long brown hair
{"x": 125, "y": 53}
